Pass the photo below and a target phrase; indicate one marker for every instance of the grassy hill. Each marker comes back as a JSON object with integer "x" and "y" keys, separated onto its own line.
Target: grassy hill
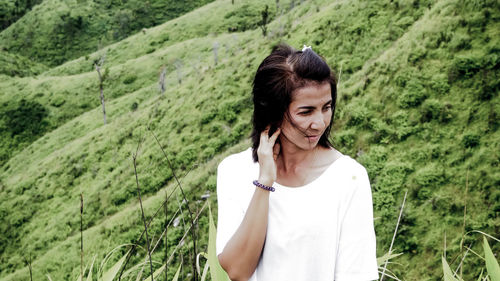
{"x": 55, "y": 31}
{"x": 418, "y": 106}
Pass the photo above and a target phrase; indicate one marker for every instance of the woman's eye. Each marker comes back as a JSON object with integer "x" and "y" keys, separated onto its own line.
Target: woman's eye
{"x": 328, "y": 107}
{"x": 305, "y": 112}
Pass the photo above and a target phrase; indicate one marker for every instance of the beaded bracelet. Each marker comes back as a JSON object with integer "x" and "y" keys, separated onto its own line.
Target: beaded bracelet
{"x": 268, "y": 188}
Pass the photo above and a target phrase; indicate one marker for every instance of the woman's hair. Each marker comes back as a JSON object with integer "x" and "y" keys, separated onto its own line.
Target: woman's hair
{"x": 280, "y": 74}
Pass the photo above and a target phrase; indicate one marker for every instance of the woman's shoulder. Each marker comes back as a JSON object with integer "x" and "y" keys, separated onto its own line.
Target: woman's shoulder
{"x": 347, "y": 163}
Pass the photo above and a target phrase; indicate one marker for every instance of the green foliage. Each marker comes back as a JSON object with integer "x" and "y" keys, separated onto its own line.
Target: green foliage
{"x": 470, "y": 140}
{"x": 418, "y": 107}
{"x": 11, "y": 11}
{"x": 67, "y": 30}
{"x": 129, "y": 79}
{"x": 247, "y": 16}
{"x": 16, "y": 65}
{"x": 216, "y": 270}
{"x": 413, "y": 94}
{"x": 491, "y": 262}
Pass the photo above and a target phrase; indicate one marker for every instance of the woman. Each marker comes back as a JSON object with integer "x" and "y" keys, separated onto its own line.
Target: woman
{"x": 309, "y": 215}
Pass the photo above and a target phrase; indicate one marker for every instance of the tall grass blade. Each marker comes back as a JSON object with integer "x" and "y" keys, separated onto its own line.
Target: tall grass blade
{"x": 381, "y": 260}
{"x": 216, "y": 271}
{"x": 176, "y": 276}
{"x": 157, "y": 273}
{"x": 80, "y": 277}
{"x": 394, "y": 236}
{"x": 205, "y": 268}
{"x": 134, "y": 157}
{"x": 448, "y": 274}
{"x": 48, "y": 277}
{"x": 193, "y": 229}
{"x": 205, "y": 271}
{"x": 111, "y": 273}
{"x": 491, "y": 263}
{"x": 480, "y": 275}
{"x": 89, "y": 275}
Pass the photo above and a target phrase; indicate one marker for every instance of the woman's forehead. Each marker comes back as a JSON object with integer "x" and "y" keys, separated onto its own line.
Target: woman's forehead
{"x": 312, "y": 94}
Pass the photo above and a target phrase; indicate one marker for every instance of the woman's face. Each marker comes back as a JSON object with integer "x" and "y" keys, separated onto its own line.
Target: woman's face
{"x": 310, "y": 112}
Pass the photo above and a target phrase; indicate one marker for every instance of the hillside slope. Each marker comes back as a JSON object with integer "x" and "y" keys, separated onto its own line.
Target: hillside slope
{"x": 56, "y": 31}
{"x": 418, "y": 106}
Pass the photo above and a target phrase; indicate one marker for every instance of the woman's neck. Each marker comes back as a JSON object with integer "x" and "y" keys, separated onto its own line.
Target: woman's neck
{"x": 293, "y": 159}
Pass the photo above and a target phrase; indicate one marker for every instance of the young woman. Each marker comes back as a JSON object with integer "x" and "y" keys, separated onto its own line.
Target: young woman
{"x": 292, "y": 207}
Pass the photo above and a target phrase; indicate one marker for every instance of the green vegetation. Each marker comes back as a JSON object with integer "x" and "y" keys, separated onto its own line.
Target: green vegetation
{"x": 11, "y": 11}
{"x": 16, "y": 65}
{"x": 70, "y": 29}
{"x": 418, "y": 106}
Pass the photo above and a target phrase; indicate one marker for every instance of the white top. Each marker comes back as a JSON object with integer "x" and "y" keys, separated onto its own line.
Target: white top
{"x": 320, "y": 231}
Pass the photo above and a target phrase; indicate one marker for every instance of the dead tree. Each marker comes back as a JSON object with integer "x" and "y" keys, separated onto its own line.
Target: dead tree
{"x": 161, "y": 82}
{"x": 178, "y": 67}
{"x": 215, "y": 49}
{"x": 265, "y": 20}
{"x": 102, "y": 77}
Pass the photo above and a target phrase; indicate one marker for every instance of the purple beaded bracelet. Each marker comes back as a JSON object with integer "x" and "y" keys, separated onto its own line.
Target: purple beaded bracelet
{"x": 268, "y": 188}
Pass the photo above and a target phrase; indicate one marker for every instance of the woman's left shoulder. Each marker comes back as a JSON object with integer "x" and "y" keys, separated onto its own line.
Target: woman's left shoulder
{"x": 347, "y": 163}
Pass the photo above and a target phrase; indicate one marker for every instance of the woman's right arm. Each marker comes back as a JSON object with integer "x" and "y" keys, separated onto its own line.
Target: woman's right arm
{"x": 242, "y": 252}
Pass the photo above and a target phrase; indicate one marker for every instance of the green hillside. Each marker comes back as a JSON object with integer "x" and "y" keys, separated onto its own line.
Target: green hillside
{"x": 55, "y": 31}
{"x": 418, "y": 107}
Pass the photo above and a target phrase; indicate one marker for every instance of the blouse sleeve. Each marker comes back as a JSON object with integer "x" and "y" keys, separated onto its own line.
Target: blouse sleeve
{"x": 356, "y": 256}
{"x": 230, "y": 212}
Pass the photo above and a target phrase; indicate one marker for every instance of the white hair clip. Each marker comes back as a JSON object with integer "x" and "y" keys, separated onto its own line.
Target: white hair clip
{"x": 306, "y": 47}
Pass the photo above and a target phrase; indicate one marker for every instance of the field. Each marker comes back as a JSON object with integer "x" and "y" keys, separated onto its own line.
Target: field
{"x": 418, "y": 106}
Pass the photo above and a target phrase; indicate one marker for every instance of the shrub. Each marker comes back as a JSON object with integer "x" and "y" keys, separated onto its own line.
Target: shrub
{"x": 412, "y": 95}
{"x": 418, "y": 53}
{"x": 244, "y": 18}
{"x": 439, "y": 84}
{"x": 460, "y": 42}
{"x": 359, "y": 115}
{"x": 402, "y": 126}
{"x": 27, "y": 119}
{"x": 470, "y": 140}
{"x": 134, "y": 106}
{"x": 345, "y": 138}
{"x": 57, "y": 101}
{"x": 431, "y": 176}
{"x": 187, "y": 155}
{"x": 382, "y": 133}
{"x": 464, "y": 66}
{"x": 374, "y": 160}
{"x": 130, "y": 79}
{"x": 431, "y": 109}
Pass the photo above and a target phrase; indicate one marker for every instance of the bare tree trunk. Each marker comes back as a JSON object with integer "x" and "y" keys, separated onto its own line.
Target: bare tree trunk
{"x": 178, "y": 66}
{"x": 161, "y": 82}
{"x": 101, "y": 82}
{"x": 215, "y": 49}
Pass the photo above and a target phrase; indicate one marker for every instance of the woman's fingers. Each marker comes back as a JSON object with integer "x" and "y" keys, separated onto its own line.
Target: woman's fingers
{"x": 264, "y": 134}
{"x": 275, "y": 135}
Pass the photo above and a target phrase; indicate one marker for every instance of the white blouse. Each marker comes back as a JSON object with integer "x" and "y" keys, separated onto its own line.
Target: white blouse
{"x": 319, "y": 231}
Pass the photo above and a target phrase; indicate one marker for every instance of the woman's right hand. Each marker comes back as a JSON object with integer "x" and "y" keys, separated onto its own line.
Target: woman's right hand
{"x": 268, "y": 152}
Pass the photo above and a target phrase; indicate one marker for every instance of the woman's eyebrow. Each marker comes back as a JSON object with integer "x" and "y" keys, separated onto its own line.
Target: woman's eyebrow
{"x": 312, "y": 107}
{"x": 306, "y": 107}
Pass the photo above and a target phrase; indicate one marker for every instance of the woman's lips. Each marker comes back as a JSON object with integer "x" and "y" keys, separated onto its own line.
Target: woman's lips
{"x": 313, "y": 138}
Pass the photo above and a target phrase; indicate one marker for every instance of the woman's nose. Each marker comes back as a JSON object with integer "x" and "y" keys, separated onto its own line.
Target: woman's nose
{"x": 317, "y": 122}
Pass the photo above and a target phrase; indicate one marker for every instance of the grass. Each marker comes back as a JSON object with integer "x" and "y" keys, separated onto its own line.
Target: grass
{"x": 418, "y": 108}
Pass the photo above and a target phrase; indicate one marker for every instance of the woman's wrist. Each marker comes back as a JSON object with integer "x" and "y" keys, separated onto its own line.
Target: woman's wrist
{"x": 263, "y": 186}
{"x": 265, "y": 181}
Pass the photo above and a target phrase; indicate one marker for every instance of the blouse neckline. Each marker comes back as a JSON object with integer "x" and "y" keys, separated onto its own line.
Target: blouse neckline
{"x": 333, "y": 164}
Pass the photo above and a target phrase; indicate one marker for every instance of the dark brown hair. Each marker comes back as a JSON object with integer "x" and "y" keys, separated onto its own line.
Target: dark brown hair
{"x": 278, "y": 76}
